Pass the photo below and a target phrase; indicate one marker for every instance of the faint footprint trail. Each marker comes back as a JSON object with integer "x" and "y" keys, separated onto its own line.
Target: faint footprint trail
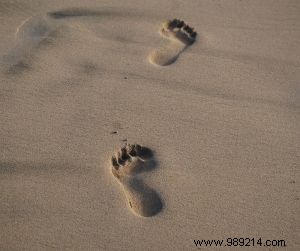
{"x": 36, "y": 29}
{"x": 126, "y": 164}
{"x": 180, "y": 35}
{"x": 29, "y": 35}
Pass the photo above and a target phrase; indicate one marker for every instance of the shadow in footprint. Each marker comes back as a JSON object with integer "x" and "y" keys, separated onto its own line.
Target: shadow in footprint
{"x": 142, "y": 198}
{"x": 147, "y": 155}
{"x": 126, "y": 164}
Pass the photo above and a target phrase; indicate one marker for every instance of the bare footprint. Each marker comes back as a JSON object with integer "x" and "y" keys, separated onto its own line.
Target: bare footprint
{"x": 126, "y": 164}
{"x": 181, "y": 36}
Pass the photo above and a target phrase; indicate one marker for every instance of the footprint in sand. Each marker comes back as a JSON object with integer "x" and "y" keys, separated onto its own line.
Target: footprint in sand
{"x": 180, "y": 35}
{"x": 31, "y": 33}
{"x": 126, "y": 164}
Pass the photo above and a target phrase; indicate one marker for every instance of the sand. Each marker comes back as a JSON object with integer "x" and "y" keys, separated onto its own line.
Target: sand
{"x": 221, "y": 118}
{"x": 180, "y": 36}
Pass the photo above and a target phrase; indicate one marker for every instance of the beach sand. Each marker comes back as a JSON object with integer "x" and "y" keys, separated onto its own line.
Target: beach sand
{"x": 221, "y": 120}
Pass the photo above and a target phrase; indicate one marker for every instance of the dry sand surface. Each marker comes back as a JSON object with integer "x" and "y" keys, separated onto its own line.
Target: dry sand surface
{"x": 215, "y": 116}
